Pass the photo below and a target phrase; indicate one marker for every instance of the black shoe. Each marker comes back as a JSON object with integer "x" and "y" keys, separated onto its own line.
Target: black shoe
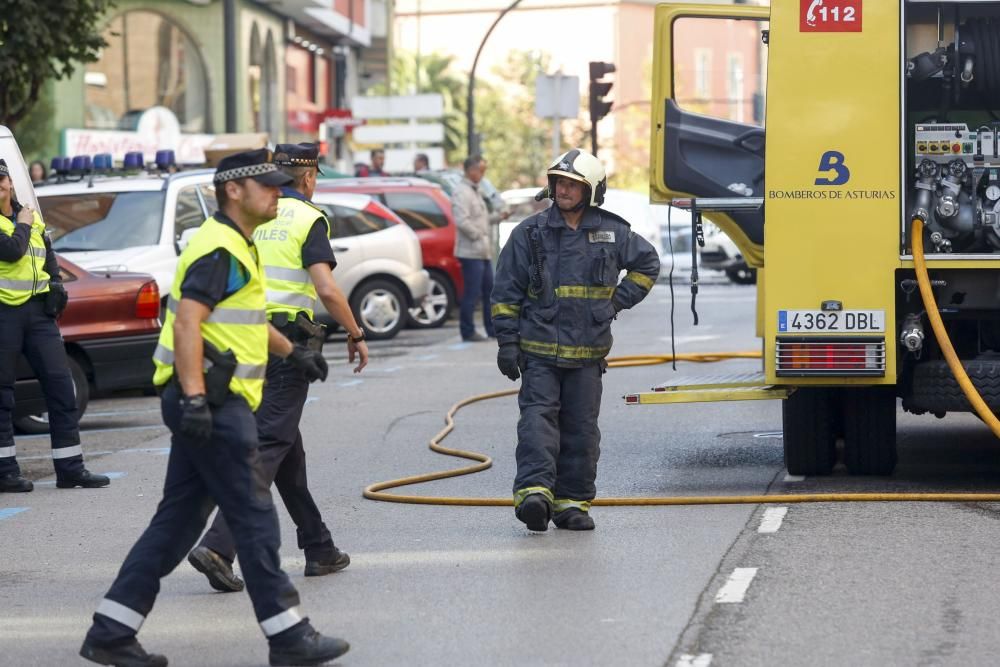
{"x": 126, "y": 655}
{"x": 86, "y": 479}
{"x": 217, "y": 569}
{"x": 535, "y": 512}
{"x": 475, "y": 338}
{"x": 573, "y": 519}
{"x": 335, "y": 562}
{"x": 14, "y": 483}
{"x": 310, "y": 649}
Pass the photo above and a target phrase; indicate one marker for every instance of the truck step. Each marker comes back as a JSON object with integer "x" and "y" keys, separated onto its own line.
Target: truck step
{"x": 746, "y": 386}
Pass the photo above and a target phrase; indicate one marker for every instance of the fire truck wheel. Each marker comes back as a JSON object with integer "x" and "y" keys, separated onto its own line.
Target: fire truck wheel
{"x": 808, "y": 420}
{"x": 870, "y": 430}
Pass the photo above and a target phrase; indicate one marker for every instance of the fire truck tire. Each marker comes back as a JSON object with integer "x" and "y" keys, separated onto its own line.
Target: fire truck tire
{"x": 936, "y": 390}
{"x": 809, "y": 423}
{"x": 870, "y": 430}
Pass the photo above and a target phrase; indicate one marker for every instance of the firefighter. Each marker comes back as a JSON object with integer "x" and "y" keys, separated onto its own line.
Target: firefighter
{"x": 210, "y": 367}
{"x": 295, "y": 251}
{"x": 557, "y": 291}
{"x": 32, "y": 297}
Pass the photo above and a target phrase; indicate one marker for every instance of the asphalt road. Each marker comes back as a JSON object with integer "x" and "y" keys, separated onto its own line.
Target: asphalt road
{"x": 859, "y": 584}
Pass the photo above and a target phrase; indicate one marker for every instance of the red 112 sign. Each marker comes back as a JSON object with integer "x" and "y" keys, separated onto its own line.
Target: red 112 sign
{"x": 830, "y": 15}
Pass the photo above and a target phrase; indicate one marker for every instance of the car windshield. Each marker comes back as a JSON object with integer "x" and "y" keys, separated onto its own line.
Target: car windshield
{"x": 103, "y": 220}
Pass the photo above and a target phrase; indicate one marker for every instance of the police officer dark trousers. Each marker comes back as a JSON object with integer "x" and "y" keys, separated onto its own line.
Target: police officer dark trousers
{"x": 210, "y": 365}
{"x": 297, "y": 258}
{"x": 556, "y": 293}
{"x": 31, "y": 298}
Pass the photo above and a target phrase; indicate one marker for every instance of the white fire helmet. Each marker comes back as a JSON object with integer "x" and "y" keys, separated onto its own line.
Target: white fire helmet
{"x": 579, "y": 166}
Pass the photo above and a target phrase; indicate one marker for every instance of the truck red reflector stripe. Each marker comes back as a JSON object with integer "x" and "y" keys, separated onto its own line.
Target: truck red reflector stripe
{"x": 807, "y": 356}
{"x": 147, "y": 302}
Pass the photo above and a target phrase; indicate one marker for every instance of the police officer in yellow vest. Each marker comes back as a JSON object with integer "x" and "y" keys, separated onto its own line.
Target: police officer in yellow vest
{"x": 298, "y": 260}
{"x": 31, "y": 298}
{"x": 210, "y": 366}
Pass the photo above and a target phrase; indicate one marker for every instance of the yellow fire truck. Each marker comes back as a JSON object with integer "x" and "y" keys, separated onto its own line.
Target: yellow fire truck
{"x": 882, "y": 124}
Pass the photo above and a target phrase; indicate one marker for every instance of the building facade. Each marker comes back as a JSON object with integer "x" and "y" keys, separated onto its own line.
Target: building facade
{"x": 184, "y": 71}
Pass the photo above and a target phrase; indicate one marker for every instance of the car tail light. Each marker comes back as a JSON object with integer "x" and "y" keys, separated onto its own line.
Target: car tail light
{"x": 147, "y": 302}
{"x": 800, "y": 357}
{"x": 384, "y": 212}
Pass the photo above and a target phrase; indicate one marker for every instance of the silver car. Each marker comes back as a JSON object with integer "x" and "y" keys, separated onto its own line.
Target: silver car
{"x": 379, "y": 263}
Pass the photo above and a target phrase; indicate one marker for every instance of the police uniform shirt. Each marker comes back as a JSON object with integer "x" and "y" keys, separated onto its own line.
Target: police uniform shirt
{"x": 317, "y": 248}
{"x": 13, "y": 246}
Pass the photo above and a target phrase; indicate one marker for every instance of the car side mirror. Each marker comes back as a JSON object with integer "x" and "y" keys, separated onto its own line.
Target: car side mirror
{"x": 185, "y": 238}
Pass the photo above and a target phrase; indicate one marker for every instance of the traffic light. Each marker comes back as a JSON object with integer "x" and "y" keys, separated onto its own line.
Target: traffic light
{"x": 599, "y": 107}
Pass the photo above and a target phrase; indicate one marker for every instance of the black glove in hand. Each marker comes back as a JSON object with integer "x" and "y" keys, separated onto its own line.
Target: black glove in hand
{"x": 196, "y": 418}
{"x": 311, "y": 363}
{"x": 55, "y": 300}
{"x": 509, "y": 360}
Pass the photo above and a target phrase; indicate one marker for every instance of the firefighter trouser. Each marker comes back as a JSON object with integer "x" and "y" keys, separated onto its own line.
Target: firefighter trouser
{"x": 199, "y": 476}
{"x": 27, "y": 329}
{"x": 282, "y": 461}
{"x": 558, "y": 442}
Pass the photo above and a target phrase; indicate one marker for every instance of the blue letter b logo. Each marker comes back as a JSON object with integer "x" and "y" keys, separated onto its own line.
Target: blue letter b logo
{"x": 833, "y": 161}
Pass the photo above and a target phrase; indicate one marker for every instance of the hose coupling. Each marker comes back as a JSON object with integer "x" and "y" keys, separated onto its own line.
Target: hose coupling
{"x": 912, "y": 337}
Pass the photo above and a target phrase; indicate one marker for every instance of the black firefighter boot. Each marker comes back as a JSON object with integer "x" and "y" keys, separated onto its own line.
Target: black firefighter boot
{"x": 573, "y": 519}
{"x": 535, "y": 512}
{"x": 335, "y": 561}
{"x": 303, "y": 645}
{"x": 216, "y": 569}
{"x": 130, "y": 654}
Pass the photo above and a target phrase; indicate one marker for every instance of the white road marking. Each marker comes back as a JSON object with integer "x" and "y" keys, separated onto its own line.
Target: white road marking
{"x": 700, "y": 660}
{"x": 87, "y": 431}
{"x": 773, "y": 516}
{"x": 350, "y": 383}
{"x": 794, "y": 478}
{"x": 735, "y": 588}
{"x": 776, "y": 435}
{"x": 690, "y": 339}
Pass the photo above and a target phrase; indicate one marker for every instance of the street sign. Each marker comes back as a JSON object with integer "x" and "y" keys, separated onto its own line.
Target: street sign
{"x": 428, "y": 133}
{"x": 557, "y": 96}
{"x": 399, "y": 107}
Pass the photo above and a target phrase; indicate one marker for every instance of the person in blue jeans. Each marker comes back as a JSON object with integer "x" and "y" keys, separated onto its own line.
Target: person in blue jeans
{"x": 474, "y": 249}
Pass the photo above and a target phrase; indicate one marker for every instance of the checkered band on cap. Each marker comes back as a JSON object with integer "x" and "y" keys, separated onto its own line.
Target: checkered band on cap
{"x": 285, "y": 160}
{"x": 3, "y": 169}
{"x": 245, "y": 172}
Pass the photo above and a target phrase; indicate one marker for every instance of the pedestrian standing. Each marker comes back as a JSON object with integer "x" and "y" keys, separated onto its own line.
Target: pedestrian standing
{"x": 298, "y": 263}
{"x": 210, "y": 367}
{"x": 557, "y": 291}
{"x": 474, "y": 249}
{"x": 32, "y": 297}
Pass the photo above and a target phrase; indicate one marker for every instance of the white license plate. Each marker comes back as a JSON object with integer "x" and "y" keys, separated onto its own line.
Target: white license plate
{"x": 840, "y": 321}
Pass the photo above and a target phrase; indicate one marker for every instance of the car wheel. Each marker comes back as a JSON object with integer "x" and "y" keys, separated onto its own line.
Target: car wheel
{"x": 742, "y": 275}
{"x": 37, "y": 424}
{"x": 379, "y": 307}
{"x": 437, "y": 306}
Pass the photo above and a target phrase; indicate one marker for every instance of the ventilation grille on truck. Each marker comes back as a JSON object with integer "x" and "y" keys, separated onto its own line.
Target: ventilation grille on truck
{"x": 829, "y": 357}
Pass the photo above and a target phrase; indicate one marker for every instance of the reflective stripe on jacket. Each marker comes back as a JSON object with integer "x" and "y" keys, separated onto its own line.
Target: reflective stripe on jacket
{"x": 237, "y": 323}
{"x": 563, "y": 312}
{"x": 26, "y": 277}
{"x": 289, "y": 287}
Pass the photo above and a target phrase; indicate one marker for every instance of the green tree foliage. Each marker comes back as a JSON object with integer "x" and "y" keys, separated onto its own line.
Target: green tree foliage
{"x": 516, "y": 143}
{"x": 42, "y": 40}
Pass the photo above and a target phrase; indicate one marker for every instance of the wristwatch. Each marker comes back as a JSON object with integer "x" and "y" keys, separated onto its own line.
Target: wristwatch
{"x": 356, "y": 339}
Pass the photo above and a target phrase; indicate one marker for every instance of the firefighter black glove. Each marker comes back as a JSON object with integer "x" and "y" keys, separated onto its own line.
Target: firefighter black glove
{"x": 509, "y": 360}
{"x": 196, "y": 418}
{"x": 311, "y": 363}
{"x": 55, "y": 300}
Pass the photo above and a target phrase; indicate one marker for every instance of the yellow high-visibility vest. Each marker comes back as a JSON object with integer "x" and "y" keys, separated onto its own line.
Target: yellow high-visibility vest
{"x": 289, "y": 287}
{"x": 21, "y": 280}
{"x": 237, "y": 323}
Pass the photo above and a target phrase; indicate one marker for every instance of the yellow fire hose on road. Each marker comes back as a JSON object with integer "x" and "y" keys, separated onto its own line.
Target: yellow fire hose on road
{"x": 377, "y": 491}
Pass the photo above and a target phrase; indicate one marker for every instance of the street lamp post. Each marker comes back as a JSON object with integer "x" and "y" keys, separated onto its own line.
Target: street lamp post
{"x": 472, "y": 141}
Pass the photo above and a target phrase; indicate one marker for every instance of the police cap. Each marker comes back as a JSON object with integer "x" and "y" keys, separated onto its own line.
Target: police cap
{"x": 297, "y": 155}
{"x": 4, "y": 171}
{"x": 251, "y": 164}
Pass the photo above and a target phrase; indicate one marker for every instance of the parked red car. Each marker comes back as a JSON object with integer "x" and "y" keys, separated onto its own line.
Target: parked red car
{"x": 426, "y": 208}
{"x": 111, "y": 325}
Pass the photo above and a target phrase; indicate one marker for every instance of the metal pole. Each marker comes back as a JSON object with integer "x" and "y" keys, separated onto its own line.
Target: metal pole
{"x": 229, "y": 47}
{"x": 472, "y": 141}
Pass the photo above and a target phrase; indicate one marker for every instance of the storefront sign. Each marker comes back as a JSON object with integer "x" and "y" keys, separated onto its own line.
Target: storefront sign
{"x": 157, "y": 129}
